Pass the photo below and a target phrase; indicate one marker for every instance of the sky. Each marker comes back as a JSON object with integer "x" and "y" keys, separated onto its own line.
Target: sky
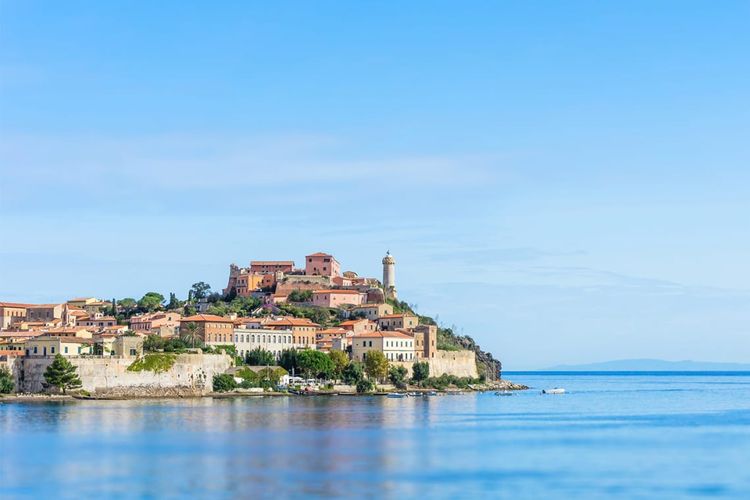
{"x": 566, "y": 182}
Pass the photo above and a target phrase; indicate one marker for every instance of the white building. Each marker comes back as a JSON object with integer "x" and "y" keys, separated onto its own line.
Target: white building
{"x": 396, "y": 346}
{"x": 274, "y": 341}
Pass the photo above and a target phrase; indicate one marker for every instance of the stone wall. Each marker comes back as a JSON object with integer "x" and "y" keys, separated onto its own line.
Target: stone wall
{"x": 191, "y": 375}
{"x": 458, "y": 363}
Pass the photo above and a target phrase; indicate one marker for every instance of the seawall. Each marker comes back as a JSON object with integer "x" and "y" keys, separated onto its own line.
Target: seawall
{"x": 191, "y": 375}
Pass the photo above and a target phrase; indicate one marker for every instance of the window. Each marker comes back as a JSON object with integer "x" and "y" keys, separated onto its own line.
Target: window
{"x": 52, "y": 350}
{"x": 66, "y": 349}
{"x": 133, "y": 352}
{"x": 35, "y": 350}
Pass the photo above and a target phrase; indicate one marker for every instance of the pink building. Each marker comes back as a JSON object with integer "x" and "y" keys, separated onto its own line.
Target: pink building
{"x": 336, "y": 298}
{"x": 322, "y": 264}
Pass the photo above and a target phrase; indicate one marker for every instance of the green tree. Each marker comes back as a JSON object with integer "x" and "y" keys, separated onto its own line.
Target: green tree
{"x": 62, "y": 374}
{"x": 352, "y": 373}
{"x": 224, "y": 382}
{"x": 128, "y": 305}
{"x": 200, "y": 290}
{"x": 315, "y": 364}
{"x": 289, "y": 360}
{"x": 189, "y": 310}
{"x": 113, "y": 309}
{"x": 365, "y": 385}
{"x": 260, "y": 357}
{"x": 174, "y": 302}
{"x": 6, "y": 380}
{"x": 189, "y": 334}
{"x": 420, "y": 371}
{"x": 300, "y": 296}
{"x": 376, "y": 366}
{"x": 397, "y": 376}
{"x": 340, "y": 360}
{"x": 151, "y": 302}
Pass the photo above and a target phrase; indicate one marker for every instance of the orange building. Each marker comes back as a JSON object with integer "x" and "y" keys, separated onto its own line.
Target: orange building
{"x": 271, "y": 266}
{"x": 210, "y": 328}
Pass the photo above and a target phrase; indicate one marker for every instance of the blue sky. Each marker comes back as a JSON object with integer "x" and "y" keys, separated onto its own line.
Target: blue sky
{"x": 565, "y": 181}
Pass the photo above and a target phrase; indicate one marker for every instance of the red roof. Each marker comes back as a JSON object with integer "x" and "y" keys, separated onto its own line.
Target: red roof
{"x": 319, "y": 254}
{"x": 206, "y": 317}
{"x": 347, "y": 292}
{"x": 393, "y": 316}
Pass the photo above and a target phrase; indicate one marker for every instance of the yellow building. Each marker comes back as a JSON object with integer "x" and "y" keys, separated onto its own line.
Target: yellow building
{"x": 51, "y": 346}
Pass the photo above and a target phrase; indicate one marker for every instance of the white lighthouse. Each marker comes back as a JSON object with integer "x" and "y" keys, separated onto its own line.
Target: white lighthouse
{"x": 389, "y": 276}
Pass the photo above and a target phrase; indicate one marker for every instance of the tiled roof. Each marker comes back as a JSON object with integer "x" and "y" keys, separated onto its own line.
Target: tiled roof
{"x": 347, "y": 292}
{"x": 393, "y": 316}
{"x": 271, "y": 263}
{"x": 292, "y": 322}
{"x": 384, "y": 334}
{"x": 207, "y": 317}
{"x": 15, "y": 304}
{"x": 319, "y": 254}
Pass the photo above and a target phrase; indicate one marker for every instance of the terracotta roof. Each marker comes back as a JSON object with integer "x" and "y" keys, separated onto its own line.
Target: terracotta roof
{"x": 10, "y": 335}
{"x": 348, "y": 292}
{"x": 67, "y": 340}
{"x": 207, "y": 317}
{"x": 352, "y": 322}
{"x": 292, "y": 322}
{"x": 319, "y": 254}
{"x": 332, "y": 331}
{"x": 14, "y": 304}
{"x": 391, "y": 316}
{"x": 271, "y": 263}
{"x": 43, "y": 306}
{"x": 384, "y": 334}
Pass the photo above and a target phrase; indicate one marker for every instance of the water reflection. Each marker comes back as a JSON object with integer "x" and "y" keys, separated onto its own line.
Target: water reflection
{"x": 450, "y": 446}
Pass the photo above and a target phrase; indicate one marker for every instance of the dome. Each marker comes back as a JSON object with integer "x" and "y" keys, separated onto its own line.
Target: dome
{"x": 388, "y": 259}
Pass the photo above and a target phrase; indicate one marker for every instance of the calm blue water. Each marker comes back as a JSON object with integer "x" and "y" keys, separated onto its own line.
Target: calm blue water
{"x": 616, "y": 436}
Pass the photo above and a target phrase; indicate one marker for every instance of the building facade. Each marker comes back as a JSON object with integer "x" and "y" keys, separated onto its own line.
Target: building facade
{"x": 395, "y": 346}
{"x": 322, "y": 264}
{"x": 273, "y": 341}
{"x": 209, "y": 328}
{"x": 336, "y": 298}
{"x": 395, "y": 321}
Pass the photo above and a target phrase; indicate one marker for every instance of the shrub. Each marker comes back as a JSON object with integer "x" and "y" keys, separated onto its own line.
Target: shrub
{"x": 224, "y": 382}
{"x": 6, "y": 380}
{"x": 154, "y": 362}
{"x": 364, "y": 386}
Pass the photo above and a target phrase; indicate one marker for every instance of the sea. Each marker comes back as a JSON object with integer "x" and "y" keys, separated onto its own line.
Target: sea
{"x": 663, "y": 435}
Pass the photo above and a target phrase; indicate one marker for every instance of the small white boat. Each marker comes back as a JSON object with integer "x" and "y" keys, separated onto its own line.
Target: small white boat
{"x": 504, "y": 393}
{"x": 556, "y": 390}
{"x": 396, "y": 395}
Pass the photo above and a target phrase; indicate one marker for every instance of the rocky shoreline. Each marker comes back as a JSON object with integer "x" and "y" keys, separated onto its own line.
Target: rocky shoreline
{"x": 499, "y": 385}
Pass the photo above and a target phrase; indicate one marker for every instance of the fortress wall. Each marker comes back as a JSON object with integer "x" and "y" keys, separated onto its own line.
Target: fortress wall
{"x": 191, "y": 375}
{"x": 457, "y": 363}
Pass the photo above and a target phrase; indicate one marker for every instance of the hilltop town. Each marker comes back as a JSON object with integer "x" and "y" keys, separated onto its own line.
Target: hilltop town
{"x": 271, "y": 315}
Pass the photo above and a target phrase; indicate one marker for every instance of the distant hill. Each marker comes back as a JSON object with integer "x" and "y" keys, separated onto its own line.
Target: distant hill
{"x": 652, "y": 365}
